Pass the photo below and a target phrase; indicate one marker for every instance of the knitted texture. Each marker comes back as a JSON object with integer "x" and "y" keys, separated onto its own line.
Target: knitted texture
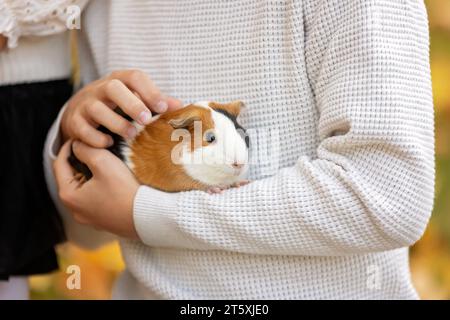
{"x": 340, "y": 115}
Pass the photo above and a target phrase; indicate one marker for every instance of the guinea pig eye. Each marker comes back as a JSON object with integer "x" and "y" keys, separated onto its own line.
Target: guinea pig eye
{"x": 210, "y": 137}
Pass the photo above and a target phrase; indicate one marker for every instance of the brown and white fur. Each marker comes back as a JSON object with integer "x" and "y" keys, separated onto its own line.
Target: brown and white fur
{"x": 201, "y": 164}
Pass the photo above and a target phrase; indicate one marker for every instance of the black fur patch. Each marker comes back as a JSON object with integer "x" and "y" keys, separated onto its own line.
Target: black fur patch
{"x": 236, "y": 125}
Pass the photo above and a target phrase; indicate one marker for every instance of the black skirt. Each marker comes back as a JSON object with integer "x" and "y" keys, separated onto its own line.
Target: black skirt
{"x": 30, "y": 226}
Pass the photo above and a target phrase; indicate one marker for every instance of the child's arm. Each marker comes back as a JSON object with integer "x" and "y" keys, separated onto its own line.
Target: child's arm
{"x": 84, "y": 236}
{"x": 20, "y": 18}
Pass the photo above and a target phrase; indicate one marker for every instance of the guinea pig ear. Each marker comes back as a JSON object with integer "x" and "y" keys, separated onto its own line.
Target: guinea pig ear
{"x": 184, "y": 121}
{"x": 234, "y": 108}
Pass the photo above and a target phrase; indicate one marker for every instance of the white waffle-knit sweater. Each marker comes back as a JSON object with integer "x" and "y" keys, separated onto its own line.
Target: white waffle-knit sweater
{"x": 339, "y": 104}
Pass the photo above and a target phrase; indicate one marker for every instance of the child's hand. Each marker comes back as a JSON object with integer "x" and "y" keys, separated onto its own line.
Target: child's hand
{"x": 131, "y": 90}
{"x": 3, "y": 41}
{"x": 106, "y": 200}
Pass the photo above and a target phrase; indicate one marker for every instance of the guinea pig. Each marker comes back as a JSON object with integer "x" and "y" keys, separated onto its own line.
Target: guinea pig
{"x": 198, "y": 147}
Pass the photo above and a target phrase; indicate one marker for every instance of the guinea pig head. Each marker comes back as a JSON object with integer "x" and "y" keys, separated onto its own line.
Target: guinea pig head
{"x": 215, "y": 147}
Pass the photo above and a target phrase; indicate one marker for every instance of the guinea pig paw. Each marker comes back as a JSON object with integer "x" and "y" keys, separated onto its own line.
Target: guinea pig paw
{"x": 240, "y": 183}
{"x": 214, "y": 190}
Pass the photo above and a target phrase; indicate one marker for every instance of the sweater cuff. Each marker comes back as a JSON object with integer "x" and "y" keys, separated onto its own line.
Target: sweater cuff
{"x": 155, "y": 215}
{"x": 54, "y": 137}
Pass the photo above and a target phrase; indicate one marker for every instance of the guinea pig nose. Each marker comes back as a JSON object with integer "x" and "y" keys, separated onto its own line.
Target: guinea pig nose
{"x": 237, "y": 165}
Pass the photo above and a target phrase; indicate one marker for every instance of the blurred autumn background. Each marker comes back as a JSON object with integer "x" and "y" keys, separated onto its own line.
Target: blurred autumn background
{"x": 430, "y": 257}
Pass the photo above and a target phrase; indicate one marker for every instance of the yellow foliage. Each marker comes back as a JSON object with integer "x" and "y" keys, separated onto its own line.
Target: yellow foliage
{"x": 440, "y": 73}
{"x": 99, "y": 270}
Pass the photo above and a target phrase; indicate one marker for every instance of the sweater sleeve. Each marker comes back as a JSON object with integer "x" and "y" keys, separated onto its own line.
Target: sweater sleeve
{"x": 371, "y": 186}
{"x": 36, "y": 18}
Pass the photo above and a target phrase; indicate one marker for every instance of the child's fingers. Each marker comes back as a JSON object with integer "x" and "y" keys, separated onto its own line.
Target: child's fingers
{"x": 118, "y": 93}
{"x": 85, "y": 132}
{"x": 138, "y": 81}
{"x": 97, "y": 160}
{"x": 103, "y": 115}
{"x": 61, "y": 167}
{"x": 173, "y": 103}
